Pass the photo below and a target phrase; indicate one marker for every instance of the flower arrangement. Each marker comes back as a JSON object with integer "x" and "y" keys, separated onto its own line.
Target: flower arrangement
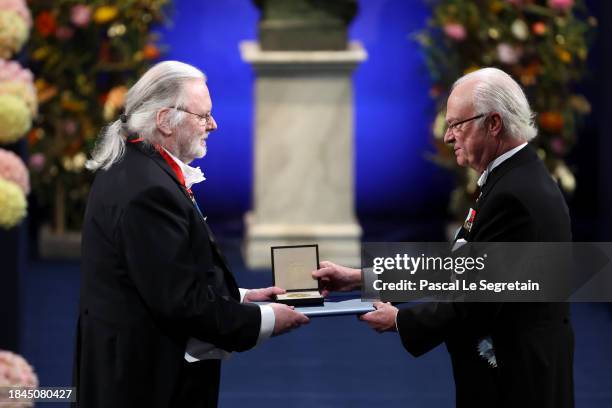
{"x": 13, "y": 169}
{"x": 15, "y": 372}
{"x": 84, "y": 55}
{"x": 18, "y": 81}
{"x": 543, "y": 44}
{"x": 18, "y": 106}
{"x": 20, "y": 7}
{"x": 13, "y": 204}
{"x": 15, "y": 23}
{"x": 15, "y": 118}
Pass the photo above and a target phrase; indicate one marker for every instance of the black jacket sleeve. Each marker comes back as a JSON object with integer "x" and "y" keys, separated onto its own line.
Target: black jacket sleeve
{"x": 427, "y": 325}
{"x": 154, "y": 232}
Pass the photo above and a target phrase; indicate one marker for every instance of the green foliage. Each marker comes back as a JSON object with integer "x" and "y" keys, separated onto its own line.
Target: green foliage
{"x": 84, "y": 55}
{"x": 542, "y": 44}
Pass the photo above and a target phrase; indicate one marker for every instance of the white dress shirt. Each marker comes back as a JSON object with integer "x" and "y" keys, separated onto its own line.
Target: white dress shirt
{"x": 196, "y": 349}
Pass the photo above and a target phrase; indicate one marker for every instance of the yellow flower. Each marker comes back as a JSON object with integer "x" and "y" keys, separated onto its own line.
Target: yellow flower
{"x": 496, "y": 7}
{"x": 565, "y": 177}
{"x": 15, "y": 118}
{"x": 564, "y": 55}
{"x": 71, "y": 104}
{"x": 13, "y": 204}
{"x": 114, "y": 101}
{"x": 471, "y": 68}
{"x": 21, "y": 90}
{"x": 13, "y": 33}
{"x": 493, "y": 33}
{"x": 41, "y": 53}
{"x": 439, "y": 125}
{"x": 78, "y": 161}
{"x": 67, "y": 163}
{"x": 580, "y": 104}
{"x": 105, "y": 14}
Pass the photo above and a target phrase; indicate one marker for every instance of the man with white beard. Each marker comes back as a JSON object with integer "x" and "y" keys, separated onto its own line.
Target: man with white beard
{"x": 159, "y": 305}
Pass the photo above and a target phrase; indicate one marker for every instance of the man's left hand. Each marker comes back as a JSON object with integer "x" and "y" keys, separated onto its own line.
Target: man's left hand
{"x": 383, "y": 318}
{"x": 263, "y": 294}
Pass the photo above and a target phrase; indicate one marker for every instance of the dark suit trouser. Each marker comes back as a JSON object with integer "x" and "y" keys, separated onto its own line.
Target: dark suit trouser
{"x": 198, "y": 385}
{"x": 476, "y": 382}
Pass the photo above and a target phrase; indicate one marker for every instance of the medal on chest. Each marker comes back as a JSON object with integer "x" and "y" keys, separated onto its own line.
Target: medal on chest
{"x": 469, "y": 220}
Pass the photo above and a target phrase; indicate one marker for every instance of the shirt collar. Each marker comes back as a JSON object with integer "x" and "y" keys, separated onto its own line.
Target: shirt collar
{"x": 192, "y": 175}
{"x": 498, "y": 160}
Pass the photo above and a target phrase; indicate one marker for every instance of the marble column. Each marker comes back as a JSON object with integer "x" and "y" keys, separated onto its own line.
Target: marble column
{"x": 304, "y": 153}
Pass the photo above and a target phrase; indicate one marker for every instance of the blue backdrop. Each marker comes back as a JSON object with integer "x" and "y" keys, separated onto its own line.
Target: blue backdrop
{"x": 393, "y": 111}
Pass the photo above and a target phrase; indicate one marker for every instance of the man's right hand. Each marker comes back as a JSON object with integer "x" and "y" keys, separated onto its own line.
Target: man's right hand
{"x": 286, "y": 319}
{"x": 337, "y": 277}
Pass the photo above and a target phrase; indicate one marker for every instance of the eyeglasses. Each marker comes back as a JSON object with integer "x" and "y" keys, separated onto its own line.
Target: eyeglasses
{"x": 455, "y": 126}
{"x": 203, "y": 120}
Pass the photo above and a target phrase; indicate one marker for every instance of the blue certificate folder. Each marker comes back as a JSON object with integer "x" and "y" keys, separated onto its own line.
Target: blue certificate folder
{"x": 330, "y": 308}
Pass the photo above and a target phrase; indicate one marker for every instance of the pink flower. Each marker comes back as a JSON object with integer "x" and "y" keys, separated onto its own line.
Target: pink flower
{"x": 18, "y": 6}
{"x": 13, "y": 169}
{"x": 64, "y": 33}
{"x": 561, "y": 5}
{"x": 558, "y": 146}
{"x": 80, "y": 15}
{"x": 455, "y": 31}
{"x": 15, "y": 371}
{"x": 12, "y": 71}
{"x": 507, "y": 54}
{"x": 37, "y": 161}
{"x": 70, "y": 127}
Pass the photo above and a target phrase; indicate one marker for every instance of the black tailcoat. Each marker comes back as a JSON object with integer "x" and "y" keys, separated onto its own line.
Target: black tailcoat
{"x": 152, "y": 276}
{"x": 533, "y": 342}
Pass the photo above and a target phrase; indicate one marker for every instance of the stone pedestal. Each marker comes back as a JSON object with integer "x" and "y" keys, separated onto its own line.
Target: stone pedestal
{"x": 304, "y": 131}
{"x": 66, "y": 245}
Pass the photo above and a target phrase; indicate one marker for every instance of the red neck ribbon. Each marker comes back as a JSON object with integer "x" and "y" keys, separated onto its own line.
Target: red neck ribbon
{"x": 171, "y": 162}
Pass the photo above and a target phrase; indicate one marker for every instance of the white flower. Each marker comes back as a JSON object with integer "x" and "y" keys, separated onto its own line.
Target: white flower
{"x": 520, "y": 30}
{"x": 507, "y": 54}
{"x": 78, "y": 161}
{"x": 486, "y": 351}
{"x": 565, "y": 177}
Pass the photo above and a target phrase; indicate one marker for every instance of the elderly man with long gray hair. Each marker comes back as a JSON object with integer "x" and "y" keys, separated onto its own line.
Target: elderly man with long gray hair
{"x": 489, "y": 124}
{"x": 159, "y": 306}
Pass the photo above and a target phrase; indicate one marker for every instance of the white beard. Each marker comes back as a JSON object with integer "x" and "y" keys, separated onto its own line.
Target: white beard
{"x": 191, "y": 147}
{"x": 199, "y": 147}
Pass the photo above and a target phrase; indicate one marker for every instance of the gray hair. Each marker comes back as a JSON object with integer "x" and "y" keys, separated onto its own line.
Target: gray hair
{"x": 496, "y": 91}
{"x": 162, "y": 86}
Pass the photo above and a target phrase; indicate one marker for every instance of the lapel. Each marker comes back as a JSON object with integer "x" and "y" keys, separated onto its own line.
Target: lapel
{"x": 150, "y": 152}
{"x": 525, "y": 155}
